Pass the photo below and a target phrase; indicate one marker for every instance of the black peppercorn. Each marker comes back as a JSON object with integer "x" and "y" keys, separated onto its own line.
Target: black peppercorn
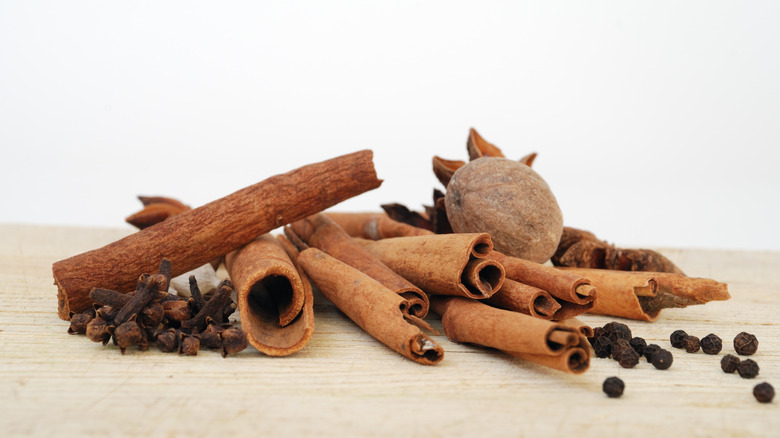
{"x": 764, "y": 392}
{"x": 650, "y": 350}
{"x": 662, "y": 359}
{"x": 745, "y": 344}
{"x": 729, "y": 363}
{"x": 628, "y": 358}
{"x": 691, "y": 344}
{"x": 618, "y": 347}
{"x": 598, "y": 332}
{"x": 613, "y": 387}
{"x": 617, "y": 331}
{"x": 602, "y": 347}
{"x": 711, "y": 344}
{"x": 747, "y": 369}
{"x": 676, "y": 338}
{"x": 638, "y": 344}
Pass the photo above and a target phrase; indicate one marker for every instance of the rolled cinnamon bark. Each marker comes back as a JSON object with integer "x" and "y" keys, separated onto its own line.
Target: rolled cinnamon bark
{"x": 544, "y": 342}
{"x": 271, "y": 297}
{"x": 194, "y": 237}
{"x": 374, "y": 226}
{"x": 321, "y": 232}
{"x": 522, "y": 298}
{"x": 373, "y": 307}
{"x": 642, "y": 295}
{"x": 443, "y": 264}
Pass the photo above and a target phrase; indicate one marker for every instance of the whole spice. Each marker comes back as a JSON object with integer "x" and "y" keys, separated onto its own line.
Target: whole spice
{"x": 602, "y": 346}
{"x": 677, "y": 337}
{"x": 729, "y": 363}
{"x": 193, "y": 237}
{"x": 638, "y": 344}
{"x": 582, "y": 249}
{"x": 747, "y": 369}
{"x": 650, "y": 350}
{"x": 711, "y": 344}
{"x": 764, "y": 392}
{"x": 745, "y": 344}
{"x": 79, "y": 321}
{"x": 662, "y": 359}
{"x": 628, "y": 358}
{"x": 168, "y": 340}
{"x": 508, "y": 200}
{"x": 691, "y": 344}
{"x": 188, "y": 344}
{"x": 613, "y": 387}
{"x": 129, "y": 333}
{"x": 617, "y": 331}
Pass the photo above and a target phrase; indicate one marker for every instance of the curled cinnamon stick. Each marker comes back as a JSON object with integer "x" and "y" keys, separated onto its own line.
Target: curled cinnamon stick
{"x": 271, "y": 297}
{"x": 194, "y": 237}
{"x": 519, "y": 297}
{"x": 642, "y": 295}
{"x": 321, "y": 232}
{"x": 554, "y": 345}
{"x": 444, "y": 264}
{"x": 370, "y": 305}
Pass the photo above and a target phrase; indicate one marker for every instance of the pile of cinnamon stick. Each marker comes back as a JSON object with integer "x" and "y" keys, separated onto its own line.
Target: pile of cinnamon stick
{"x": 385, "y": 275}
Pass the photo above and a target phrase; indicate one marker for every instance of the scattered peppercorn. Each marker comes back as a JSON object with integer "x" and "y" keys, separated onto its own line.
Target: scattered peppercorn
{"x": 638, "y": 344}
{"x": 747, "y": 369}
{"x": 691, "y": 344}
{"x": 618, "y": 347}
{"x": 617, "y": 331}
{"x": 613, "y": 387}
{"x": 628, "y": 358}
{"x": 711, "y": 344}
{"x": 764, "y": 392}
{"x": 598, "y": 332}
{"x": 745, "y": 344}
{"x": 662, "y": 359}
{"x": 602, "y": 347}
{"x": 676, "y": 338}
{"x": 650, "y": 350}
{"x": 729, "y": 363}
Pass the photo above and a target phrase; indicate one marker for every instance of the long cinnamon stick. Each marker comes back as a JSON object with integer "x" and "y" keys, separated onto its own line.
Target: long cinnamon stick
{"x": 555, "y": 345}
{"x": 374, "y": 226}
{"x": 642, "y": 295}
{"x": 323, "y": 233}
{"x": 271, "y": 297}
{"x": 444, "y": 264}
{"x": 373, "y": 307}
{"x": 194, "y": 237}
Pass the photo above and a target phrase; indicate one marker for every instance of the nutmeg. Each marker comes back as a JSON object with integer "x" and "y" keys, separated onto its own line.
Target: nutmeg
{"x": 508, "y": 200}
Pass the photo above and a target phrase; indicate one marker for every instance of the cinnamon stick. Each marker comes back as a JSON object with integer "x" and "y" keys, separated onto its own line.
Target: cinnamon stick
{"x": 271, "y": 296}
{"x": 574, "y": 292}
{"x": 642, "y": 295}
{"x": 444, "y": 264}
{"x": 554, "y": 345}
{"x": 519, "y": 297}
{"x": 194, "y": 237}
{"x": 321, "y": 232}
{"x": 374, "y": 226}
{"x": 373, "y": 307}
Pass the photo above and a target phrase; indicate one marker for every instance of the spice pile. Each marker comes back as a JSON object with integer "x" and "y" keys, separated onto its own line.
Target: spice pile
{"x": 152, "y": 314}
{"x": 476, "y": 257}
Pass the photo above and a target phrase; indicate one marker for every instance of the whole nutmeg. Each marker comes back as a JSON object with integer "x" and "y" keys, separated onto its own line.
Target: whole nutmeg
{"x": 508, "y": 200}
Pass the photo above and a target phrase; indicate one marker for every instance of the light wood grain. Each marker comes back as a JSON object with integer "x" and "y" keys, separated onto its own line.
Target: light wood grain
{"x": 345, "y": 382}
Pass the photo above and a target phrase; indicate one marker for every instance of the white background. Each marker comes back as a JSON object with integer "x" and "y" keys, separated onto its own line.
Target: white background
{"x": 656, "y": 123}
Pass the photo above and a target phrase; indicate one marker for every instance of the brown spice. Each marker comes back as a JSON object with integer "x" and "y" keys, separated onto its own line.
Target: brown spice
{"x": 729, "y": 363}
{"x": 764, "y": 392}
{"x": 745, "y": 344}
{"x": 691, "y": 344}
{"x": 747, "y": 369}
{"x": 711, "y": 344}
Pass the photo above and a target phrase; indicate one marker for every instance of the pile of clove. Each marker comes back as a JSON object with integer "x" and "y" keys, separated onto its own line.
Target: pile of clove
{"x": 151, "y": 314}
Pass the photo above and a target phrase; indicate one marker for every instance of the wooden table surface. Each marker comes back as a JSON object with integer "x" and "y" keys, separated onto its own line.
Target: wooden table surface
{"x": 345, "y": 382}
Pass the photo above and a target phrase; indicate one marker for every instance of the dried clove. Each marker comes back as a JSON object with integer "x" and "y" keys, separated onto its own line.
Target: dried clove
{"x": 177, "y": 310}
{"x": 79, "y": 321}
{"x": 745, "y": 344}
{"x": 188, "y": 344}
{"x": 168, "y": 340}
{"x": 212, "y": 311}
{"x": 99, "y": 330}
{"x": 129, "y": 333}
{"x": 233, "y": 340}
{"x": 613, "y": 387}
